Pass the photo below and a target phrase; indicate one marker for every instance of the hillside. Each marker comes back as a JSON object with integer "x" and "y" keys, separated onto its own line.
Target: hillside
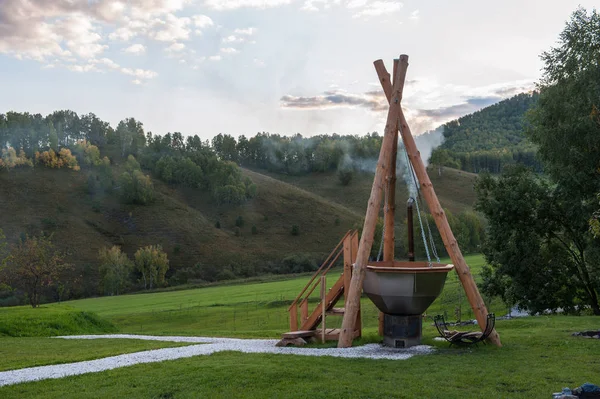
{"x": 453, "y": 187}
{"x": 489, "y": 138}
{"x": 182, "y": 220}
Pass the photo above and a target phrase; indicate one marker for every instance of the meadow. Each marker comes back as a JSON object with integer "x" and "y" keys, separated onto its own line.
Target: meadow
{"x": 539, "y": 355}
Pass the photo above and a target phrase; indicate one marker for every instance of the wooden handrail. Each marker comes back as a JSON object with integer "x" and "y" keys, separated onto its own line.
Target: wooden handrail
{"x": 317, "y": 282}
{"x": 294, "y": 303}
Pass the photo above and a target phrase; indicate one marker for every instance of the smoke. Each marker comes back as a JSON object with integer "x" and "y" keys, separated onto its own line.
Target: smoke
{"x": 425, "y": 143}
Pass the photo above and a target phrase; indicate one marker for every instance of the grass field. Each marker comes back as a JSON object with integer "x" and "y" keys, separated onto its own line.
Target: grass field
{"x": 539, "y": 355}
{"x": 252, "y": 310}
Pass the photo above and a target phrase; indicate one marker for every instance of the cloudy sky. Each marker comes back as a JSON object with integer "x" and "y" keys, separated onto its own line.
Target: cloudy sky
{"x": 282, "y": 66}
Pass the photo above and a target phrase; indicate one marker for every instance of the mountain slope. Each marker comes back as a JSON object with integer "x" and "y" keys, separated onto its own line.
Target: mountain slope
{"x": 489, "y": 138}
{"x": 182, "y": 221}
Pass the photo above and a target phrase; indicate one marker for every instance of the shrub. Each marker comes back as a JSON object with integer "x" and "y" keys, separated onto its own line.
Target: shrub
{"x": 50, "y": 159}
{"x": 297, "y": 263}
{"x": 88, "y": 153}
{"x": 345, "y": 176}
{"x": 254, "y": 230}
{"x": 115, "y": 268}
{"x": 49, "y": 223}
{"x": 295, "y": 230}
{"x": 337, "y": 221}
{"x": 239, "y": 222}
{"x": 237, "y": 232}
{"x": 136, "y": 188}
{"x": 152, "y": 263}
{"x": 218, "y": 225}
{"x": 10, "y": 159}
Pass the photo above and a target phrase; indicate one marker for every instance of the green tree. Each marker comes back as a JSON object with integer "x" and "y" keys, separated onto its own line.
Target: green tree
{"x": 540, "y": 246}
{"x": 345, "y": 175}
{"x": 532, "y": 245}
{"x": 440, "y": 158}
{"x": 34, "y": 265}
{"x": 136, "y": 188}
{"x": 52, "y": 137}
{"x": 152, "y": 263}
{"x": 595, "y": 222}
{"x": 3, "y": 250}
{"x": 115, "y": 268}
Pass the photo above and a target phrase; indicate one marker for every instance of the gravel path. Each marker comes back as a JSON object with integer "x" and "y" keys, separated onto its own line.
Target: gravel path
{"x": 207, "y": 346}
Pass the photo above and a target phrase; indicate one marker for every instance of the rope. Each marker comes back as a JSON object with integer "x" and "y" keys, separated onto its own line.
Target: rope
{"x": 423, "y": 234}
{"x": 409, "y": 167}
{"x": 431, "y": 240}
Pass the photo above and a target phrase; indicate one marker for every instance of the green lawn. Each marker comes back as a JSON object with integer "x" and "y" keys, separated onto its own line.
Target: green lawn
{"x": 252, "y": 310}
{"x": 22, "y": 352}
{"x": 539, "y": 357}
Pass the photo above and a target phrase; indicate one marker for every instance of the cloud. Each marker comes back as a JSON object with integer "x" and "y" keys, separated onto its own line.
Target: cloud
{"x": 245, "y": 32}
{"x": 233, "y": 39}
{"x": 420, "y": 118}
{"x": 171, "y": 28}
{"x": 259, "y": 63}
{"x": 414, "y": 15}
{"x": 201, "y": 22}
{"x": 76, "y": 34}
{"x": 374, "y": 101}
{"x": 82, "y": 68}
{"x": 176, "y": 47}
{"x": 240, "y": 36}
{"x": 377, "y": 8}
{"x": 135, "y": 49}
{"x": 139, "y": 73}
{"x": 225, "y": 5}
{"x": 228, "y": 50}
{"x": 214, "y": 58}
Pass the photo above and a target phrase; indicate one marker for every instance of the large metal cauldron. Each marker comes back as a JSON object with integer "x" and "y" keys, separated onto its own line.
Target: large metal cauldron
{"x": 404, "y": 288}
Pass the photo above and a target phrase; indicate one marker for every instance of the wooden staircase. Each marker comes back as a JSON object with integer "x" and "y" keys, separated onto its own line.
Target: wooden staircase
{"x": 305, "y": 329}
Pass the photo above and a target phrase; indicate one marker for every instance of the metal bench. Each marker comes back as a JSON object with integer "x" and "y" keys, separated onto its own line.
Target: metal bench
{"x": 464, "y": 337}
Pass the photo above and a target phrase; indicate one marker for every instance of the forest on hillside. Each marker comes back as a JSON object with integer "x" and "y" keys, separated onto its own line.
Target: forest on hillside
{"x": 489, "y": 139}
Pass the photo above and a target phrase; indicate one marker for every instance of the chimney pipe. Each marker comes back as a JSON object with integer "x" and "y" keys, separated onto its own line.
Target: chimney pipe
{"x": 410, "y": 228}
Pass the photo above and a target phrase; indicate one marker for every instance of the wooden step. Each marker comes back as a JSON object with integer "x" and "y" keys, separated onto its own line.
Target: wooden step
{"x": 332, "y": 334}
{"x": 336, "y": 311}
{"x": 299, "y": 334}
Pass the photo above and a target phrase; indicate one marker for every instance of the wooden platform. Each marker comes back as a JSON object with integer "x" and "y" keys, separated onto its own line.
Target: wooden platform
{"x": 300, "y": 338}
{"x": 299, "y": 334}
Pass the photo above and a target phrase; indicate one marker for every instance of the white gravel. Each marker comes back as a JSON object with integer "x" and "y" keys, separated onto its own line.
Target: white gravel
{"x": 207, "y": 347}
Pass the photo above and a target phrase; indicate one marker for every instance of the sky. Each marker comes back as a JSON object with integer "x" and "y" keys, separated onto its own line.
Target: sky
{"x": 280, "y": 66}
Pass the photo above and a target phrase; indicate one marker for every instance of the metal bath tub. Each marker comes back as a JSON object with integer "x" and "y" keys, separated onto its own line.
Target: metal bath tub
{"x": 404, "y": 288}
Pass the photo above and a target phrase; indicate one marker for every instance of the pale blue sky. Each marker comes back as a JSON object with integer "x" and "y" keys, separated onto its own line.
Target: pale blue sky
{"x": 283, "y": 66}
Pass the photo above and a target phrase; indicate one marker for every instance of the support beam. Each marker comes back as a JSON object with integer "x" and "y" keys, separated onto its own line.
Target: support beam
{"x": 368, "y": 231}
{"x": 461, "y": 267}
{"x": 390, "y": 193}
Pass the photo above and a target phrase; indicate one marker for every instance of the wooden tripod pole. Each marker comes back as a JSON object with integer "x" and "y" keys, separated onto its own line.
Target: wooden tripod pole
{"x": 366, "y": 239}
{"x": 461, "y": 267}
{"x": 390, "y": 193}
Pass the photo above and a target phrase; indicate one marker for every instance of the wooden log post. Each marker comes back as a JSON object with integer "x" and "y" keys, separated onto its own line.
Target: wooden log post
{"x": 368, "y": 231}
{"x": 389, "y": 239}
{"x": 450, "y": 243}
{"x": 323, "y": 306}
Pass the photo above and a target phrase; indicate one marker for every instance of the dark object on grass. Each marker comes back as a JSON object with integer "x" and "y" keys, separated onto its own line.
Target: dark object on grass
{"x": 588, "y": 334}
{"x": 466, "y": 337}
{"x": 587, "y": 390}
